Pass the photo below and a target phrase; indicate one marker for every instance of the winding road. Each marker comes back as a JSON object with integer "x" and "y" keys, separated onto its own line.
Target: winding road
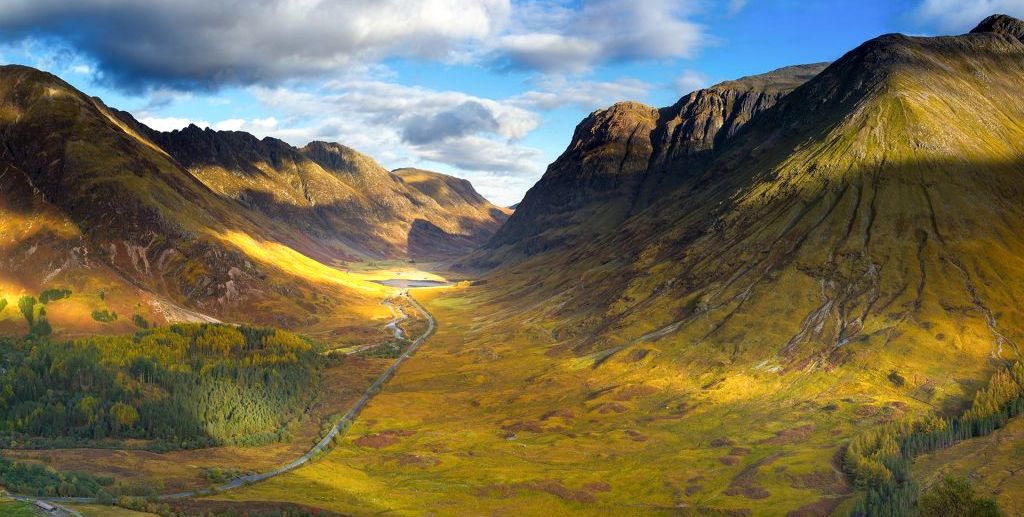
{"x": 320, "y": 447}
{"x": 338, "y": 427}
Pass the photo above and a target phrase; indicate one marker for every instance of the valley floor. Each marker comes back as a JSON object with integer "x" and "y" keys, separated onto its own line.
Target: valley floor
{"x": 488, "y": 419}
{"x": 494, "y": 416}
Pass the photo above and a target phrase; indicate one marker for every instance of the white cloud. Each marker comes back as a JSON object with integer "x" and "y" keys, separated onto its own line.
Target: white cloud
{"x": 171, "y": 123}
{"x": 82, "y": 69}
{"x": 553, "y": 38}
{"x": 412, "y": 126}
{"x": 258, "y": 126}
{"x": 558, "y": 91}
{"x": 735, "y": 6}
{"x": 475, "y": 153}
{"x": 690, "y": 80}
{"x": 963, "y": 15}
{"x": 548, "y": 52}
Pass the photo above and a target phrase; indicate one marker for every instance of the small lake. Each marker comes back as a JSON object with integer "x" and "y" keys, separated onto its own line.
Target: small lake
{"x": 405, "y": 283}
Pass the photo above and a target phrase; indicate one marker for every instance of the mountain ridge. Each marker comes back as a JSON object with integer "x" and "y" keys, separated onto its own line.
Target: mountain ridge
{"x": 125, "y": 217}
{"x": 617, "y": 160}
{"x": 345, "y": 199}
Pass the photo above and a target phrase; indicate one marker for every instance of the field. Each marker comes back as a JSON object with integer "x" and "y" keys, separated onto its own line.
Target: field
{"x": 489, "y": 418}
{"x": 11, "y": 508}
{"x": 493, "y": 415}
{"x": 345, "y": 379}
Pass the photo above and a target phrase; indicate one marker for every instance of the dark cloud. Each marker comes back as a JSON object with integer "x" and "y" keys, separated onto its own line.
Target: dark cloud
{"x": 467, "y": 118}
{"x": 204, "y": 44}
{"x": 187, "y": 44}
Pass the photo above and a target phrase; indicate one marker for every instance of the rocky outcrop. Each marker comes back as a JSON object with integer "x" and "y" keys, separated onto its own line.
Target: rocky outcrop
{"x": 622, "y": 157}
{"x": 1001, "y": 24}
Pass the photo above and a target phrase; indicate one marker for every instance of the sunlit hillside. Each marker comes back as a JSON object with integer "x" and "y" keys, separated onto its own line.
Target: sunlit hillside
{"x": 849, "y": 260}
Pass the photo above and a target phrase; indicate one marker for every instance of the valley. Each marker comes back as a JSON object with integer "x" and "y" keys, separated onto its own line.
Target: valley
{"x": 793, "y": 293}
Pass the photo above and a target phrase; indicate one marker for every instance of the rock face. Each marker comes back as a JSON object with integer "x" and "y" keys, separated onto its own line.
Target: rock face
{"x": 343, "y": 199}
{"x": 622, "y": 157}
{"x": 1001, "y": 24}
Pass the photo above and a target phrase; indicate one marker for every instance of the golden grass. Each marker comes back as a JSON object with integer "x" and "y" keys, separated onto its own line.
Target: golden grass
{"x": 991, "y": 463}
{"x": 485, "y": 422}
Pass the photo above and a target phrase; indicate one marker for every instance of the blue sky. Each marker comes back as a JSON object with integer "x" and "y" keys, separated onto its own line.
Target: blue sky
{"x": 489, "y": 90}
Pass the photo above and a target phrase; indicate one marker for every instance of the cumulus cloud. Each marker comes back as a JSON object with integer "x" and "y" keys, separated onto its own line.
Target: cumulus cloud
{"x": 258, "y": 126}
{"x": 467, "y": 118}
{"x": 558, "y": 91}
{"x": 963, "y": 15}
{"x": 188, "y": 44}
{"x": 199, "y": 43}
{"x": 404, "y": 125}
{"x": 553, "y": 38}
{"x": 690, "y": 80}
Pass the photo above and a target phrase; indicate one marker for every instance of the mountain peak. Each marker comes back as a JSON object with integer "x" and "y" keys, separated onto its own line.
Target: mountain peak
{"x": 1001, "y": 24}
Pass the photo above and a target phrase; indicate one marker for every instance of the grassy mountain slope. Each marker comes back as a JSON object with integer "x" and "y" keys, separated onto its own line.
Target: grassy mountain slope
{"x": 109, "y": 200}
{"x": 849, "y": 258}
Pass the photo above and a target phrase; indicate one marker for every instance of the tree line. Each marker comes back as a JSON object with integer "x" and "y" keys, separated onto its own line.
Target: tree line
{"x": 879, "y": 460}
{"x": 190, "y": 385}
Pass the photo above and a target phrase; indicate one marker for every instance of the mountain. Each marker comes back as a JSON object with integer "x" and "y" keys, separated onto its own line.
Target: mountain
{"x": 880, "y": 196}
{"x": 129, "y": 230}
{"x": 472, "y": 220}
{"x": 622, "y": 157}
{"x": 197, "y": 224}
{"x": 340, "y": 197}
{"x": 848, "y": 260}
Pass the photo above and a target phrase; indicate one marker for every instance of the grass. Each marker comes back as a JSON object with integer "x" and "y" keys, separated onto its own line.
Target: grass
{"x": 483, "y": 421}
{"x": 992, "y": 463}
{"x": 11, "y": 508}
{"x": 99, "y": 510}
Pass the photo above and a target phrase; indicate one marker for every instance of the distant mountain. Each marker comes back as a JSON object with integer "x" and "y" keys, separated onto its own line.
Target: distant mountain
{"x": 340, "y": 197}
{"x": 198, "y": 224}
{"x": 621, "y": 158}
{"x": 471, "y": 219}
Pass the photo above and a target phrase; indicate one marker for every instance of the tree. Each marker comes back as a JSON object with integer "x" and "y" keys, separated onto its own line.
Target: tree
{"x": 50, "y": 295}
{"x": 27, "y": 306}
{"x": 953, "y": 497}
{"x": 124, "y": 415}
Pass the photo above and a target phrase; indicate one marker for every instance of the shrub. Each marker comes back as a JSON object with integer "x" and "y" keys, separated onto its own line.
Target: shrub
{"x": 104, "y": 316}
{"x": 897, "y": 379}
{"x": 50, "y": 295}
